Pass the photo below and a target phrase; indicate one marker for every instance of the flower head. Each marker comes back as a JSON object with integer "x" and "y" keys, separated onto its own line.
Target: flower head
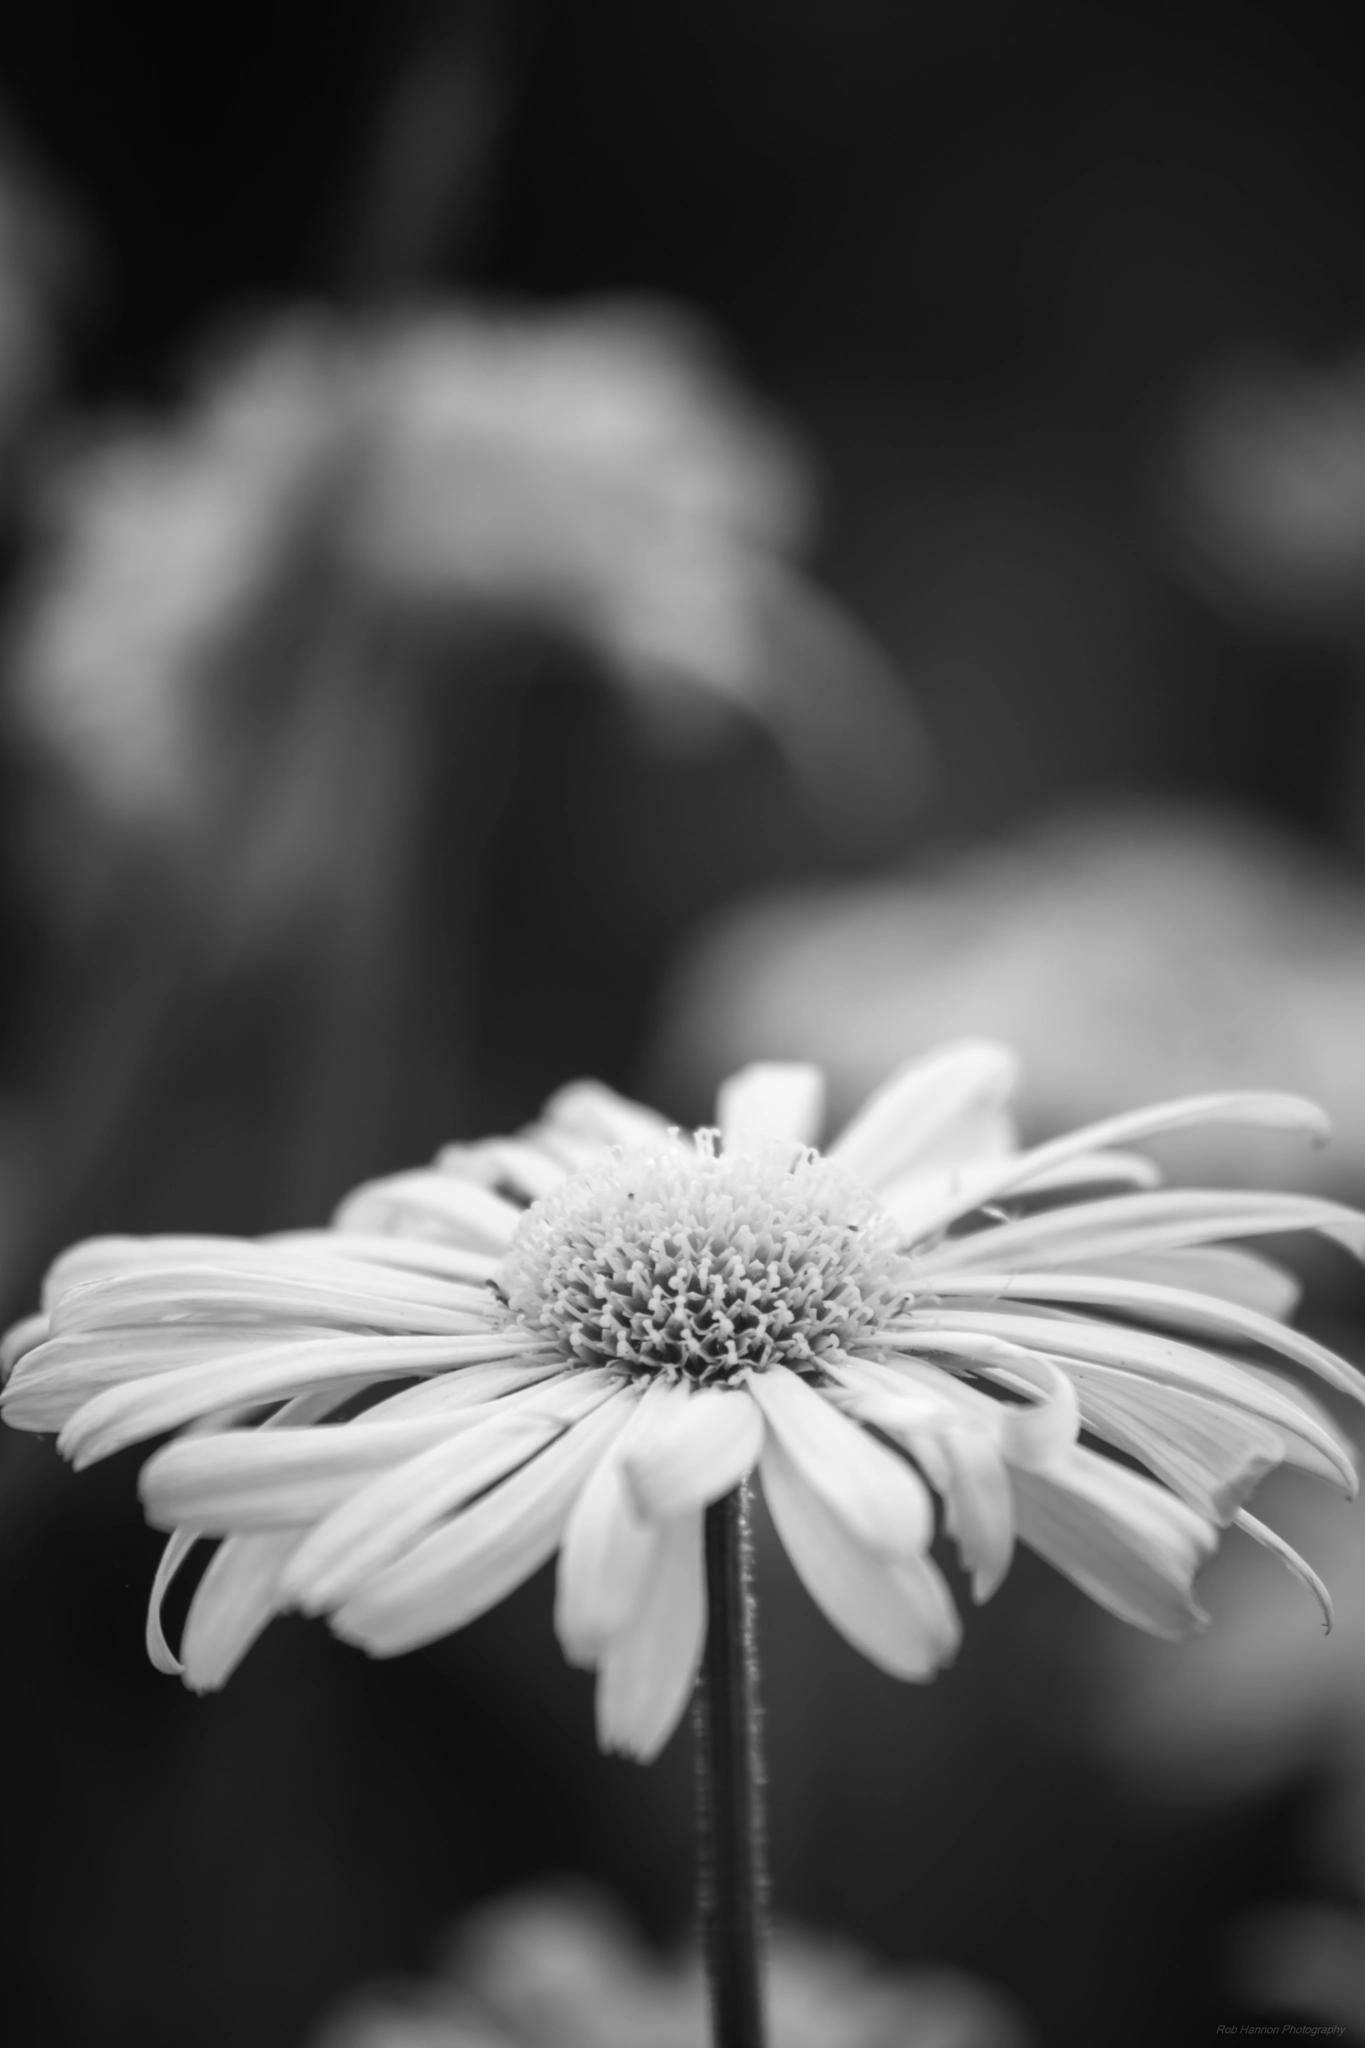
{"x": 575, "y": 1340}
{"x": 706, "y": 1265}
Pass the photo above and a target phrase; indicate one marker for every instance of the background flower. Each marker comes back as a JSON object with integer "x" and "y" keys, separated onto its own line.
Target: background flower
{"x": 1129, "y": 953}
{"x": 562, "y": 1970}
{"x": 595, "y": 473}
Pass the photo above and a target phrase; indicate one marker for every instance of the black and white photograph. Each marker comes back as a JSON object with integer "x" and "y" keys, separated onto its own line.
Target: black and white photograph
{"x": 682, "y": 1024}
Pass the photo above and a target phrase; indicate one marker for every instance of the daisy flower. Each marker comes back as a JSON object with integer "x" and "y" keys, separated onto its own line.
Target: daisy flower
{"x": 575, "y": 1340}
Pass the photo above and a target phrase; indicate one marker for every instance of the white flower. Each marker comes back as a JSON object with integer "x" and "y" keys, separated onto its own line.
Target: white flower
{"x": 556, "y": 1970}
{"x": 597, "y": 1328}
{"x": 1130, "y": 952}
{"x": 590, "y": 471}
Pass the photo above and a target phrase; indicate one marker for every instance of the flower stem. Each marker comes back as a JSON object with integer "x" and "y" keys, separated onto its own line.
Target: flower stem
{"x": 731, "y": 1873}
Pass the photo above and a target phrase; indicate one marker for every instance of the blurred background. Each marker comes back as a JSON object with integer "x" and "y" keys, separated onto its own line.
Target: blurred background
{"x": 545, "y": 538}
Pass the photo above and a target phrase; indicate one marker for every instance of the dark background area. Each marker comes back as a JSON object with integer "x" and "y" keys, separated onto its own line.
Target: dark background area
{"x": 977, "y": 254}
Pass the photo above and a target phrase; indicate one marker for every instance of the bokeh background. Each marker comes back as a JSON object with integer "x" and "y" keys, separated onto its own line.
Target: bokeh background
{"x": 545, "y": 538}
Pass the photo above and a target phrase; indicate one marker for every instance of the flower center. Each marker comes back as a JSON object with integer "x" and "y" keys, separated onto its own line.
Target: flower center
{"x": 703, "y": 1264}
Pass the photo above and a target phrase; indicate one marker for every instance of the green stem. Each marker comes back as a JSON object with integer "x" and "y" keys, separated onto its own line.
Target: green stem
{"x": 731, "y": 1874}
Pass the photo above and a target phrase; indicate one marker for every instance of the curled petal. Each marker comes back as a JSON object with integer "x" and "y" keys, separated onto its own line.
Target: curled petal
{"x": 1028, "y": 1433}
{"x": 178, "y": 1548}
{"x": 1178, "y": 1308}
{"x": 1077, "y": 1344}
{"x": 1037, "y": 1432}
{"x": 1302, "y": 1570}
{"x": 897, "y": 1611}
{"x": 237, "y": 1596}
{"x": 648, "y": 1671}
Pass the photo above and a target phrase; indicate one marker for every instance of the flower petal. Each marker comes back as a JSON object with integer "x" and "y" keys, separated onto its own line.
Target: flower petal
{"x": 403, "y": 1254}
{"x": 1166, "y": 1219}
{"x": 100, "y": 1258}
{"x": 509, "y": 1166}
{"x": 242, "y": 1479}
{"x": 340, "y": 1255}
{"x": 1177, "y": 1307}
{"x": 648, "y": 1672}
{"x": 607, "y": 1548}
{"x": 1219, "y": 1269}
{"x": 50, "y": 1383}
{"x": 1261, "y": 1109}
{"x": 772, "y": 1099}
{"x": 234, "y": 1600}
{"x": 436, "y": 1205}
{"x": 20, "y": 1339}
{"x": 1077, "y": 1342}
{"x": 176, "y": 1550}
{"x": 471, "y": 1386}
{"x": 696, "y": 1455}
{"x": 912, "y": 1398}
{"x": 917, "y": 1203}
{"x": 385, "y": 1514}
{"x": 896, "y": 1611}
{"x": 592, "y": 1111}
{"x": 472, "y": 1562}
{"x": 1212, "y": 1455}
{"x": 264, "y": 1372}
{"x": 270, "y": 1293}
{"x": 1092, "y": 1169}
{"x": 1287, "y": 1555}
{"x": 929, "y": 1114}
{"x": 878, "y": 1496}
{"x": 978, "y": 1507}
{"x": 1120, "y": 1537}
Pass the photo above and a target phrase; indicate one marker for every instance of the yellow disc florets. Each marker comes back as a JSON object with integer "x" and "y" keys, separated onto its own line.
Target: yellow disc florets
{"x": 705, "y": 1264}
